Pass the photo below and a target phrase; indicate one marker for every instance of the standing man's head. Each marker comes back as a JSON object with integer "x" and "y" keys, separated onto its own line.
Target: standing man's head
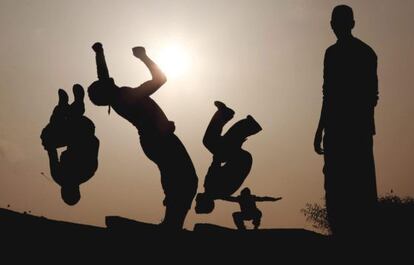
{"x": 342, "y": 21}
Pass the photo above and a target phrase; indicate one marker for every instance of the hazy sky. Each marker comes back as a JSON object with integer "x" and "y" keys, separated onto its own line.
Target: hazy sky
{"x": 262, "y": 58}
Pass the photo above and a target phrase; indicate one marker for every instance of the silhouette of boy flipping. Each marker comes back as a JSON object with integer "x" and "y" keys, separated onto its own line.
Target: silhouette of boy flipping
{"x": 224, "y": 180}
{"x": 69, "y": 128}
{"x": 158, "y": 141}
{"x": 249, "y": 210}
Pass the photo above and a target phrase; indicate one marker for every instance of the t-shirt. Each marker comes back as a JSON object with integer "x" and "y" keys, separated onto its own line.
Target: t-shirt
{"x": 350, "y": 87}
{"x": 143, "y": 112}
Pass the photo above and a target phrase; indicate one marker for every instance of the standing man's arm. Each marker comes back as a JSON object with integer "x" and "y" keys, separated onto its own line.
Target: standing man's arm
{"x": 372, "y": 87}
{"x": 374, "y": 80}
{"x": 317, "y": 142}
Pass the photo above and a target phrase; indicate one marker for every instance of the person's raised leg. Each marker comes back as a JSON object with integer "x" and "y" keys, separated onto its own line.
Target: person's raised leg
{"x": 211, "y": 139}
{"x": 54, "y": 135}
{"x": 239, "y": 131}
{"x": 78, "y": 106}
{"x": 60, "y": 112}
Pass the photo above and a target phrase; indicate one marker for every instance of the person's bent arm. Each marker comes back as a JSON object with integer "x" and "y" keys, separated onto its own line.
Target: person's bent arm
{"x": 158, "y": 77}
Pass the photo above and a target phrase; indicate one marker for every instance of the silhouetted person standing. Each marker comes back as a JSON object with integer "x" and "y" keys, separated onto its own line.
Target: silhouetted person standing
{"x": 231, "y": 164}
{"x": 248, "y": 208}
{"x": 160, "y": 144}
{"x": 69, "y": 128}
{"x": 350, "y": 94}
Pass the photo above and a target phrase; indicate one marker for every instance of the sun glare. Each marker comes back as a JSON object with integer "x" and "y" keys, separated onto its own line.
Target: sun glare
{"x": 173, "y": 60}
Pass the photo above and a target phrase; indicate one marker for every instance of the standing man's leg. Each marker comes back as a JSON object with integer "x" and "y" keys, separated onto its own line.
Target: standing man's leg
{"x": 334, "y": 184}
{"x": 365, "y": 182}
{"x": 372, "y": 188}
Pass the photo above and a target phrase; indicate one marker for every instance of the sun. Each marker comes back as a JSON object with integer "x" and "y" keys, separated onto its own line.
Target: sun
{"x": 173, "y": 60}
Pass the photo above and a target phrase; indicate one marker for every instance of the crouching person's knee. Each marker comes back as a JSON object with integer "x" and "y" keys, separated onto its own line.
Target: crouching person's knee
{"x": 257, "y": 219}
{"x": 238, "y": 220}
{"x": 237, "y": 216}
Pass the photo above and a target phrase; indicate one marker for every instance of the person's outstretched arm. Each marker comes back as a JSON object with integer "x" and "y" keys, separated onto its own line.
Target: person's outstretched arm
{"x": 158, "y": 77}
{"x": 100, "y": 61}
{"x": 267, "y": 199}
{"x": 230, "y": 199}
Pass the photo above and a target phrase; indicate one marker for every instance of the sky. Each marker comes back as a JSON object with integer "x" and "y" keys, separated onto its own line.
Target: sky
{"x": 262, "y": 58}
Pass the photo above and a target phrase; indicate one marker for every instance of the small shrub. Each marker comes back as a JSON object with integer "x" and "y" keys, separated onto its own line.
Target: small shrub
{"x": 395, "y": 215}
